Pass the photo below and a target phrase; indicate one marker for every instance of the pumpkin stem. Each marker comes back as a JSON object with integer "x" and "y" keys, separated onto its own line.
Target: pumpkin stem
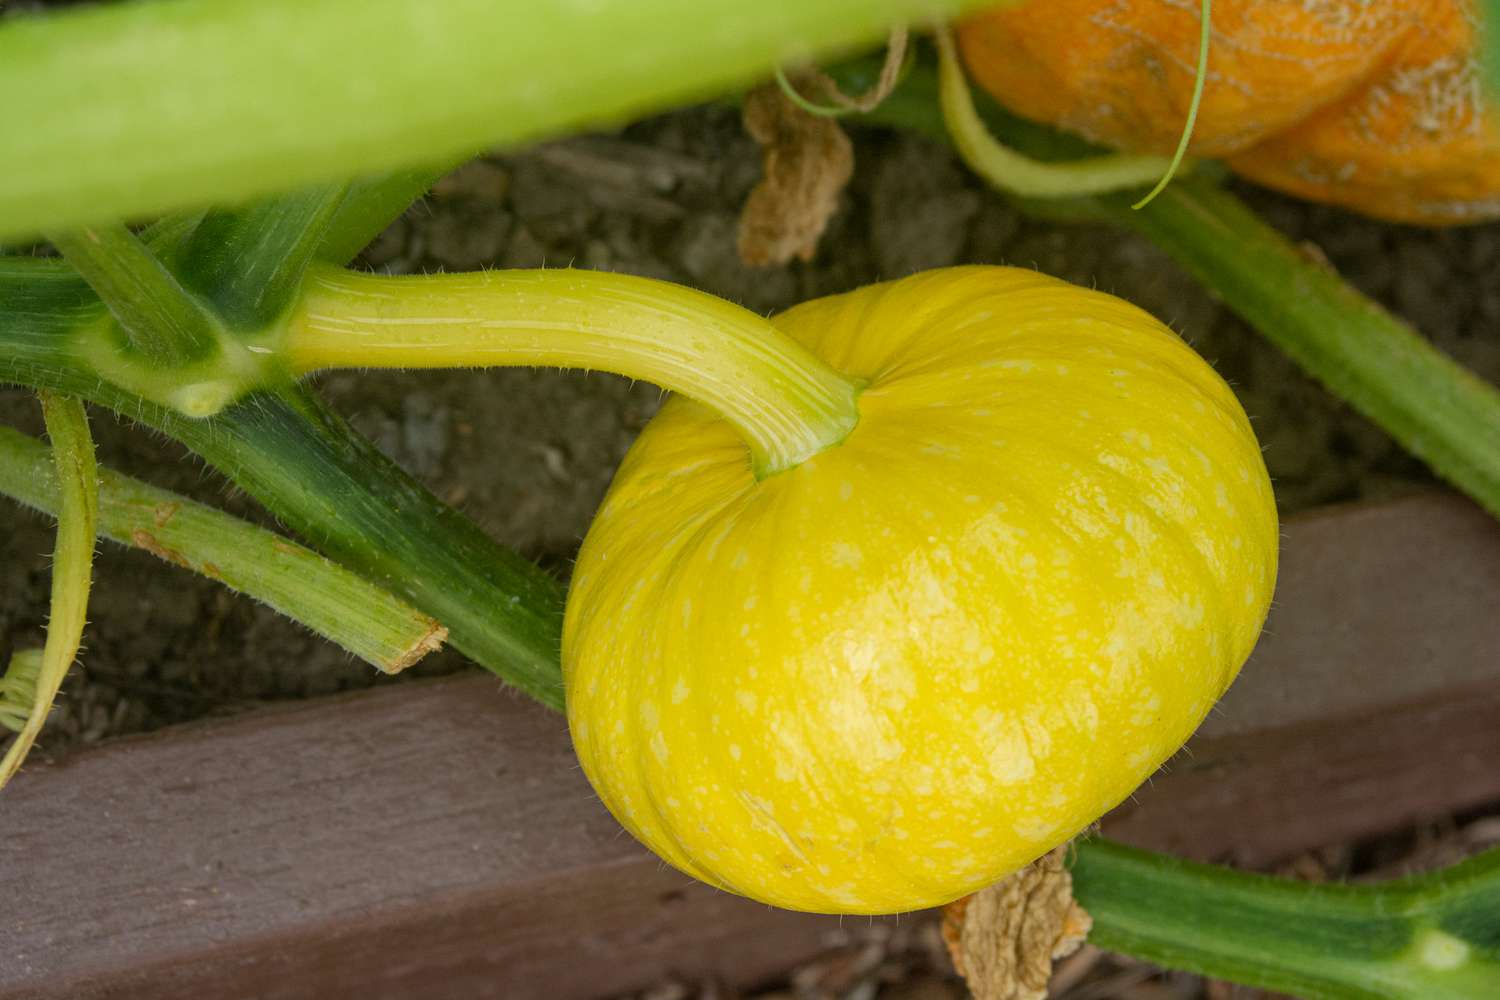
{"x": 1204, "y": 30}
{"x": 1010, "y": 171}
{"x": 785, "y": 403}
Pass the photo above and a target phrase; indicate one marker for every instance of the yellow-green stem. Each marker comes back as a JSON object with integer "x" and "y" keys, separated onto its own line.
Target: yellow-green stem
{"x": 1020, "y": 175}
{"x": 784, "y": 402}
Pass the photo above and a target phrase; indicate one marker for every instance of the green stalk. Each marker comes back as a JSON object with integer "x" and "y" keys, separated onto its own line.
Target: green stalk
{"x": 293, "y": 580}
{"x": 369, "y": 207}
{"x": 72, "y": 570}
{"x": 334, "y": 488}
{"x": 248, "y": 262}
{"x": 1435, "y": 937}
{"x": 162, "y": 104}
{"x": 164, "y": 324}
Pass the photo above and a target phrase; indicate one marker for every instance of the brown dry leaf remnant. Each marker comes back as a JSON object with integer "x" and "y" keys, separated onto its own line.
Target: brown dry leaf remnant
{"x": 1003, "y": 939}
{"x": 806, "y": 161}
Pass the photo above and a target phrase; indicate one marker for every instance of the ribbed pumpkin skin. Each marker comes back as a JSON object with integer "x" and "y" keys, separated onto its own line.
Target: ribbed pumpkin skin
{"x": 901, "y": 670}
{"x": 1374, "y": 106}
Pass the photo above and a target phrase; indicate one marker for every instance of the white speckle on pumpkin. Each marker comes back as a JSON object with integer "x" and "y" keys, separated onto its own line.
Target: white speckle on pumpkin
{"x": 1009, "y": 758}
{"x": 1034, "y": 829}
{"x": 846, "y": 555}
{"x": 734, "y": 751}
{"x": 846, "y": 490}
{"x": 679, "y": 691}
{"x": 750, "y": 602}
{"x": 747, "y": 700}
{"x": 1148, "y": 709}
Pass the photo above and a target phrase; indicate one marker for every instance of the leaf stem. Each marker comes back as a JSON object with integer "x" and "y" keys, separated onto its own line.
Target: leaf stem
{"x": 162, "y": 321}
{"x": 785, "y": 403}
{"x": 72, "y": 564}
{"x": 299, "y": 583}
{"x": 249, "y": 261}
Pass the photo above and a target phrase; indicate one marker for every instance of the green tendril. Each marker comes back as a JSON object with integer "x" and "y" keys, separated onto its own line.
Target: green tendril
{"x": 811, "y": 107}
{"x": 1204, "y": 30}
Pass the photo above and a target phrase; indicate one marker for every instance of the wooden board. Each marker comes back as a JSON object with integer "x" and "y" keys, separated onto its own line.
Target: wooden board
{"x": 437, "y": 839}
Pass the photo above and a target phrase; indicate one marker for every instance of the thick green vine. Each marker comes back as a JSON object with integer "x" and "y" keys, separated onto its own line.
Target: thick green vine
{"x": 212, "y": 101}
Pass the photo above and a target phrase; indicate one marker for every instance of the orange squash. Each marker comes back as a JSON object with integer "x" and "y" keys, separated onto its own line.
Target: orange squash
{"x": 1374, "y": 106}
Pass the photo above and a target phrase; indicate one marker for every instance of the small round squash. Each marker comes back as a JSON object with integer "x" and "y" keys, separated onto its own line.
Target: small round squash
{"x": 908, "y": 666}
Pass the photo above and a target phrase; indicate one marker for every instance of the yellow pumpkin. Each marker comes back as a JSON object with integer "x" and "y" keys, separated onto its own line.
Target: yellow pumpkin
{"x": 906, "y": 667}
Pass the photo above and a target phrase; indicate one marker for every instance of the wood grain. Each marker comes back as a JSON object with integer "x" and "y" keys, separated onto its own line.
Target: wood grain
{"x": 437, "y": 839}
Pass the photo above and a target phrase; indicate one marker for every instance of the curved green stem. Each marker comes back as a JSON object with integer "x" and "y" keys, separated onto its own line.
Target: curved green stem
{"x": 785, "y": 403}
{"x": 1435, "y": 937}
{"x": 1011, "y": 171}
{"x": 72, "y": 564}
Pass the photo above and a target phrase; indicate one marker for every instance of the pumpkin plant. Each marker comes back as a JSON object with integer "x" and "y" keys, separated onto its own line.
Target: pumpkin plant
{"x": 909, "y": 585}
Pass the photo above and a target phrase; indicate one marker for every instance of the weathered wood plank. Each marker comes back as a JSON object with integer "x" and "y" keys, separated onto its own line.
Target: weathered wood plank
{"x": 437, "y": 840}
